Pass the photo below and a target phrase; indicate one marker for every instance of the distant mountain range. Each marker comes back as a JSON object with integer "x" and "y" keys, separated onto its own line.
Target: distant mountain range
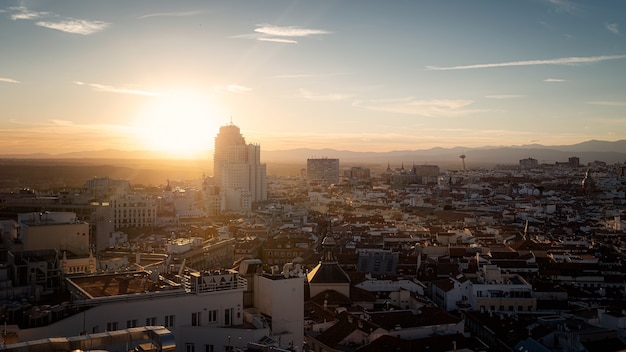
{"x": 609, "y": 152}
{"x": 589, "y": 151}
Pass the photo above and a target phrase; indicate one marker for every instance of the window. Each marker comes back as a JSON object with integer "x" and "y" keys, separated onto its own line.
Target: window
{"x": 212, "y": 316}
{"x": 112, "y": 326}
{"x": 228, "y": 316}
{"x": 190, "y": 347}
{"x": 151, "y": 321}
{"x": 169, "y": 321}
{"x": 209, "y": 348}
{"x": 95, "y": 329}
{"x": 131, "y": 323}
{"x": 195, "y": 319}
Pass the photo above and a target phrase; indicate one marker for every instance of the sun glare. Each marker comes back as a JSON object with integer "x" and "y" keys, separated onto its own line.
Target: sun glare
{"x": 178, "y": 123}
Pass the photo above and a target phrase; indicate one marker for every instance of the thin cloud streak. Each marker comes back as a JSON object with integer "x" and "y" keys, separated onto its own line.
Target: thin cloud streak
{"x": 171, "y": 14}
{"x": 277, "y": 40}
{"x": 608, "y": 103}
{"x": 560, "y": 61}
{"x": 553, "y": 80}
{"x": 110, "y": 89}
{"x": 278, "y": 34}
{"x": 504, "y": 96}
{"x": 412, "y": 106}
{"x": 8, "y": 80}
{"x": 306, "y": 94}
{"x": 308, "y": 75}
{"x": 234, "y": 88}
{"x": 66, "y": 136}
{"x": 288, "y": 31}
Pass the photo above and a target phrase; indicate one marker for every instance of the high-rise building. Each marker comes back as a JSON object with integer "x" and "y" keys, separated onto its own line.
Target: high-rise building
{"x": 238, "y": 170}
{"x": 323, "y": 170}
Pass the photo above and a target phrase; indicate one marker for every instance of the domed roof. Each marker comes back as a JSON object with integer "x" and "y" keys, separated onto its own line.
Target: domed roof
{"x": 328, "y": 241}
{"x": 328, "y": 269}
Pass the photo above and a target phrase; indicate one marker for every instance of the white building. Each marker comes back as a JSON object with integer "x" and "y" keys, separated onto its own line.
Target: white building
{"x": 280, "y": 300}
{"x": 134, "y": 210}
{"x": 204, "y": 311}
{"x": 493, "y": 291}
{"x": 238, "y": 171}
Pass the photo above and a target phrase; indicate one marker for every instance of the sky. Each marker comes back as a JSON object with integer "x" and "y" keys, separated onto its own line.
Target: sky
{"x": 359, "y": 75}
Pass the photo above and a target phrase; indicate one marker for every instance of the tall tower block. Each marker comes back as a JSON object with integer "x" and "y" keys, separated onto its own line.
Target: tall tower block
{"x": 238, "y": 170}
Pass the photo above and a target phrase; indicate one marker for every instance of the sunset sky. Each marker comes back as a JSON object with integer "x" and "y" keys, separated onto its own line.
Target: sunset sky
{"x": 360, "y": 75}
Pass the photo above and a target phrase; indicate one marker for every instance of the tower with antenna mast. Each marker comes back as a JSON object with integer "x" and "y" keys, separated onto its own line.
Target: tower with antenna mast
{"x": 462, "y": 156}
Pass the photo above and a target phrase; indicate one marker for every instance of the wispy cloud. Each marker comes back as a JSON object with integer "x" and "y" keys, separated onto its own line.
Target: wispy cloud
{"x": 607, "y": 103}
{"x": 110, "y": 89}
{"x": 171, "y": 14}
{"x": 428, "y": 108}
{"x": 613, "y": 27}
{"x": 564, "y": 6}
{"x": 504, "y": 96}
{"x": 232, "y": 88}
{"x": 553, "y": 80}
{"x": 74, "y": 26}
{"x": 8, "y": 80}
{"x": 576, "y": 60}
{"x": 68, "y": 25}
{"x": 278, "y": 34}
{"x": 289, "y": 31}
{"x": 22, "y": 13}
{"x": 278, "y": 40}
{"x": 311, "y": 75}
{"x": 306, "y": 94}
{"x": 59, "y": 136}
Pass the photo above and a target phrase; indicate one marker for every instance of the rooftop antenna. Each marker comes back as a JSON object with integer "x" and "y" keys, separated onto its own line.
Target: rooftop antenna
{"x": 463, "y": 160}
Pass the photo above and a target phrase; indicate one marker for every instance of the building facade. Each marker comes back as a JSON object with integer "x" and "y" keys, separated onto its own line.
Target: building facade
{"x": 323, "y": 170}
{"x": 238, "y": 171}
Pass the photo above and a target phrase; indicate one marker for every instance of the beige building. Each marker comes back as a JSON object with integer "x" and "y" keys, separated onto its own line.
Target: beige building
{"x": 53, "y": 230}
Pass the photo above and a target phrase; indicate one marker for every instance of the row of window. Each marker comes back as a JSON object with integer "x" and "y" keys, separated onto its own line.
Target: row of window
{"x": 170, "y": 320}
{"x": 510, "y": 308}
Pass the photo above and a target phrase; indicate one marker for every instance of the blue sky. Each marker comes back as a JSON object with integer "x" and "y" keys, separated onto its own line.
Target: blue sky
{"x": 358, "y": 75}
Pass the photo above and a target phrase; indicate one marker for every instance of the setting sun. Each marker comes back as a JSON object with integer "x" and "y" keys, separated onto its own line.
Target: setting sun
{"x": 180, "y": 123}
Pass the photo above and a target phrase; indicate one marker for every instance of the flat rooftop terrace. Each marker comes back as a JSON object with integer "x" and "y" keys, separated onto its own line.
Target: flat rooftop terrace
{"x": 109, "y": 285}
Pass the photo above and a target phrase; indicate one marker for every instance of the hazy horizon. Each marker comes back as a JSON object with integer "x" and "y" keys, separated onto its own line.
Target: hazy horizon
{"x": 347, "y": 75}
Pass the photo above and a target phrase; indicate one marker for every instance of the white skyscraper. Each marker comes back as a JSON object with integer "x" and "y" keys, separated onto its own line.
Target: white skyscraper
{"x": 238, "y": 170}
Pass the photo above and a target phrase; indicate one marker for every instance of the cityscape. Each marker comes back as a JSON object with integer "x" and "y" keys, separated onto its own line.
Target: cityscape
{"x": 527, "y": 256}
{"x": 313, "y": 176}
